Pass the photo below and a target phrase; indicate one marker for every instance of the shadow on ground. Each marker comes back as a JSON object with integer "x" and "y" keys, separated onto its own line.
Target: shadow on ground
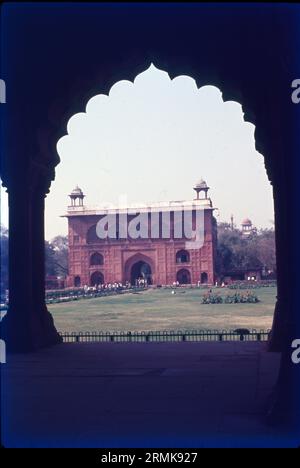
{"x": 148, "y": 395}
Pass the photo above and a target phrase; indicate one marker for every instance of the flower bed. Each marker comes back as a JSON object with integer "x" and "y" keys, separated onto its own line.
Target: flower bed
{"x": 252, "y": 284}
{"x": 236, "y": 298}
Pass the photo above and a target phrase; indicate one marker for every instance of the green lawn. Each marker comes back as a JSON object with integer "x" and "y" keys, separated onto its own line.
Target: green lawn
{"x": 160, "y": 310}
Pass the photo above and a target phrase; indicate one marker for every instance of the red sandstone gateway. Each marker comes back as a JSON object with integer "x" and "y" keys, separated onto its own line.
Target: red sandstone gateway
{"x": 162, "y": 254}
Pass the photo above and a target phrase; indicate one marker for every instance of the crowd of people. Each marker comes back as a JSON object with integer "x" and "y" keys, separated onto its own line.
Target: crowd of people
{"x": 116, "y": 286}
{"x": 141, "y": 283}
{"x": 106, "y": 287}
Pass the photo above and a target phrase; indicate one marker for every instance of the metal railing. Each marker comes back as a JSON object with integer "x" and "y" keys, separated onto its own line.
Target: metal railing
{"x": 165, "y": 336}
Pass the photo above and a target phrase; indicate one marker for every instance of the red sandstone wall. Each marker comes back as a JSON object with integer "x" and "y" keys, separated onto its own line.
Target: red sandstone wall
{"x": 119, "y": 255}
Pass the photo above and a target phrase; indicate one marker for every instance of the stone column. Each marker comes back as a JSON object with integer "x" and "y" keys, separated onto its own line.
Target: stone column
{"x": 284, "y": 408}
{"x": 16, "y": 326}
{"x": 280, "y": 331}
{"x": 47, "y": 334}
{"x": 27, "y": 325}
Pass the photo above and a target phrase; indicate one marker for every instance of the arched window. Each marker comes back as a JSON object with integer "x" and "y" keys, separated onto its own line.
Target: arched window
{"x": 97, "y": 278}
{"x": 96, "y": 259}
{"x": 77, "y": 281}
{"x": 182, "y": 256}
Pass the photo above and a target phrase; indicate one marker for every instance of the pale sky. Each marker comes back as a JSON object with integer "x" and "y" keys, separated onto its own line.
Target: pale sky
{"x": 151, "y": 140}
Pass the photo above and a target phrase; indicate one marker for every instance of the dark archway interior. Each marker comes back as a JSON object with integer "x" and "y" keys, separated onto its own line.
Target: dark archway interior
{"x": 204, "y": 278}
{"x": 141, "y": 270}
{"x": 77, "y": 281}
{"x": 183, "y": 276}
{"x": 97, "y": 278}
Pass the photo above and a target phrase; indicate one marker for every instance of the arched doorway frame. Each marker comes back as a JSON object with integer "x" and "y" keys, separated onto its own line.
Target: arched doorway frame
{"x": 232, "y": 90}
{"x": 135, "y": 258}
{"x": 141, "y": 275}
{"x": 228, "y": 93}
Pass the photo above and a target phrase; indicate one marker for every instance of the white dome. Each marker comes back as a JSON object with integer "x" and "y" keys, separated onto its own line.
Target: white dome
{"x": 77, "y": 191}
{"x": 247, "y": 222}
{"x": 201, "y": 184}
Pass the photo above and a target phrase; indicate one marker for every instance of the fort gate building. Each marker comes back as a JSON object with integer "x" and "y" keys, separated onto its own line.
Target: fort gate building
{"x": 156, "y": 242}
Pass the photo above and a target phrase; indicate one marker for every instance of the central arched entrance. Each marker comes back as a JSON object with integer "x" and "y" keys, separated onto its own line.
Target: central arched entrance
{"x": 141, "y": 270}
{"x": 139, "y": 266}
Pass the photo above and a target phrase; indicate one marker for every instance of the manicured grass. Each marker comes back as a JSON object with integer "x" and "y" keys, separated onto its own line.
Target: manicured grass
{"x": 158, "y": 309}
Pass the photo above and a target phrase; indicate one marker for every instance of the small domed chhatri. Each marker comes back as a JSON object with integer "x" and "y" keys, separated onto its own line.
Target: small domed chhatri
{"x": 247, "y": 227}
{"x": 77, "y": 195}
{"x": 201, "y": 186}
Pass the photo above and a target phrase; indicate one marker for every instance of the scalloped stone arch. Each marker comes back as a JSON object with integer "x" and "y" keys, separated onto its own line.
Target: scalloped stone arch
{"x": 229, "y": 91}
{"x": 138, "y": 257}
{"x": 65, "y": 105}
{"x": 233, "y": 87}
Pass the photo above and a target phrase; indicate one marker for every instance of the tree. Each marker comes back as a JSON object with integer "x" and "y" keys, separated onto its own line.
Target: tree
{"x": 50, "y": 267}
{"x": 61, "y": 248}
{"x": 267, "y": 250}
{"x": 56, "y": 256}
{"x": 236, "y": 251}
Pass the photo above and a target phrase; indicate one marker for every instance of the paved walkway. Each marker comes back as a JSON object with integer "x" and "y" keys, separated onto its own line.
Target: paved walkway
{"x": 130, "y": 395}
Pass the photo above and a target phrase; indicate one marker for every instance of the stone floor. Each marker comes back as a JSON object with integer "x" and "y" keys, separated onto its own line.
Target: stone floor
{"x": 148, "y": 395}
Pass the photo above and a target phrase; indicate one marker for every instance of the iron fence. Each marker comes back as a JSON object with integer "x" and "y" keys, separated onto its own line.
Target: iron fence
{"x": 166, "y": 336}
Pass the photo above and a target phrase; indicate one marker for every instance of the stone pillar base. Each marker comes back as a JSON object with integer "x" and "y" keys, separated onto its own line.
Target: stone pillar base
{"x": 278, "y": 332}
{"x": 30, "y": 335}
